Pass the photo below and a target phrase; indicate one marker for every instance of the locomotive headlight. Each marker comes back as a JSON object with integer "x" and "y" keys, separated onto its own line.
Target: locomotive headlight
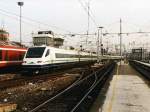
{"x": 39, "y": 61}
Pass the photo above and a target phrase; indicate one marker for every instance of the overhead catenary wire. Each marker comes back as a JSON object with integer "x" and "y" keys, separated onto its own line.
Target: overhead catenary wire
{"x": 38, "y": 22}
{"x": 92, "y": 14}
{"x": 34, "y": 21}
{"x": 16, "y": 19}
{"x": 86, "y": 10}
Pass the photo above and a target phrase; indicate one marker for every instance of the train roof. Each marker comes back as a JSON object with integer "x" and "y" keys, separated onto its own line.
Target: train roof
{"x": 54, "y": 48}
{"x": 11, "y": 43}
{"x": 12, "y": 47}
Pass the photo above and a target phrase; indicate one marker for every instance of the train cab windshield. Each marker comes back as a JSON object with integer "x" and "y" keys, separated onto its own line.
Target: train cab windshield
{"x": 36, "y": 52}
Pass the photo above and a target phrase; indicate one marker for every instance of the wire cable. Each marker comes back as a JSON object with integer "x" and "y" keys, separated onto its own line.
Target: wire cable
{"x": 32, "y": 20}
{"x": 85, "y": 9}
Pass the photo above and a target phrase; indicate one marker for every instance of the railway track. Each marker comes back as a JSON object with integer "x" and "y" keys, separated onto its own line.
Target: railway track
{"x": 9, "y": 80}
{"x": 26, "y": 89}
{"x": 141, "y": 68}
{"x": 79, "y": 96}
{"x": 21, "y": 80}
{"x": 13, "y": 74}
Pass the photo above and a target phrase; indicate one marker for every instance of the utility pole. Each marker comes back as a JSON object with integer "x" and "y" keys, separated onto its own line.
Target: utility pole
{"x": 88, "y": 17}
{"x": 120, "y": 40}
{"x": 99, "y": 45}
{"x": 88, "y": 25}
{"x": 107, "y": 46}
{"x": 20, "y": 4}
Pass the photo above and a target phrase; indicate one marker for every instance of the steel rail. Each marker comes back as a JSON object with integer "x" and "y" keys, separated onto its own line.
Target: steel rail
{"x": 79, "y": 81}
{"x": 41, "y": 105}
{"x": 142, "y": 68}
{"x": 93, "y": 86}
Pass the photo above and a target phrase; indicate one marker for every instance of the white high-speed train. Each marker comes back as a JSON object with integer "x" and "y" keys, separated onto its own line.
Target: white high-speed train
{"x": 45, "y": 58}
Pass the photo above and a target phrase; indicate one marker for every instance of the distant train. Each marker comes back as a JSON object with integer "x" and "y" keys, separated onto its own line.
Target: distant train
{"x": 11, "y": 56}
{"x": 39, "y": 59}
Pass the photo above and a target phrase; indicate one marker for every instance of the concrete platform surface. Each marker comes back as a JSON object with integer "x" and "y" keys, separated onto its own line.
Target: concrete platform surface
{"x": 128, "y": 92}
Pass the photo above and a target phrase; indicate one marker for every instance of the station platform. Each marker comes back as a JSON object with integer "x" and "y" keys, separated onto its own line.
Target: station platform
{"x": 128, "y": 91}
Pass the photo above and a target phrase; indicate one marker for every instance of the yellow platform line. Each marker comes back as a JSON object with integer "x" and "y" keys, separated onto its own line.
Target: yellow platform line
{"x": 114, "y": 91}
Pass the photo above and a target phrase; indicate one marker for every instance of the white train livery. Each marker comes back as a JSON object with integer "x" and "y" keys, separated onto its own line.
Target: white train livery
{"x": 45, "y": 58}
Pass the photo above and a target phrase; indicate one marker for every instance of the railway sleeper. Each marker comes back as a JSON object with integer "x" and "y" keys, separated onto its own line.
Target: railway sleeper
{"x": 85, "y": 105}
{"x": 73, "y": 95}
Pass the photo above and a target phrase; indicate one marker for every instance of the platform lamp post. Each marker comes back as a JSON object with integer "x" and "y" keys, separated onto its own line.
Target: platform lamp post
{"x": 120, "y": 41}
{"x": 20, "y": 4}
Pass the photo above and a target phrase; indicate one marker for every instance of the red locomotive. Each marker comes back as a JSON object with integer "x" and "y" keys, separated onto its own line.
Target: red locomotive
{"x": 11, "y": 53}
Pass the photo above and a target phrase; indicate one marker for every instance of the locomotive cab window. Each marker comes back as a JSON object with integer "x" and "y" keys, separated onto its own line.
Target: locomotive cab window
{"x": 0, "y": 55}
{"x": 36, "y": 52}
{"x": 47, "y": 53}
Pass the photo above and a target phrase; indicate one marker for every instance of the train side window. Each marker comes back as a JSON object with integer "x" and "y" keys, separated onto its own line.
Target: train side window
{"x": 47, "y": 53}
{"x": 0, "y": 55}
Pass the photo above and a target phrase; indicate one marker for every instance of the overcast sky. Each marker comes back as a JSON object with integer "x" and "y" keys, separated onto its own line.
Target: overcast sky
{"x": 64, "y": 16}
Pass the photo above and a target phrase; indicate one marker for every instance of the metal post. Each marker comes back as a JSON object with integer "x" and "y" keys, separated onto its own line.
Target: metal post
{"x": 88, "y": 9}
{"x": 88, "y": 17}
{"x": 20, "y": 4}
{"x": 20, "y": 26}
{"x": 120, "y": 40}
{"x": 99, "y": 44}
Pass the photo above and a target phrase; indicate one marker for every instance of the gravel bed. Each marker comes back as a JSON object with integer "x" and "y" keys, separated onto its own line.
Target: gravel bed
{"x": 28, "y": 96}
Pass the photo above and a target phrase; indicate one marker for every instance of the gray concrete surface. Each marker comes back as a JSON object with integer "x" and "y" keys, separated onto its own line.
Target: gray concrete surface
{"x": 128, "y": 92}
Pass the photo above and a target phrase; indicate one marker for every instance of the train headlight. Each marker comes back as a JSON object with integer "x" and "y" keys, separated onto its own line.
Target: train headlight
{"x": 39, "y": 61}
